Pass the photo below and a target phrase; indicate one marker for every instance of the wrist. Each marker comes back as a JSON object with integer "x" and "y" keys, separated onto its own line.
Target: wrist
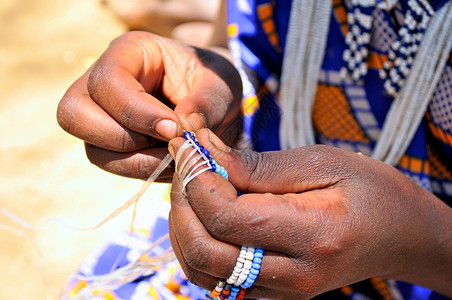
{"x": 430, "y": 256}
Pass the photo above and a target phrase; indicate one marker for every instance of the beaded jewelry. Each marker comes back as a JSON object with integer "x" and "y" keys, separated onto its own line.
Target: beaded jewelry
{"x": 357, "y": 39}
{"x": 418, "y": 70}
{"x": 249, "y": 260}
{"x": 402, "y": 51}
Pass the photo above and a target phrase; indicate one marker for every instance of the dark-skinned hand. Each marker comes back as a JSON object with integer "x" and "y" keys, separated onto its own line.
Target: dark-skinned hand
{"x": 143, "y": 91}
{"x": 325, "y": 218}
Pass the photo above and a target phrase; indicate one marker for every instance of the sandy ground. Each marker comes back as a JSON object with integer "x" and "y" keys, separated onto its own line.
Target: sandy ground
{"x": 44, "y": 46}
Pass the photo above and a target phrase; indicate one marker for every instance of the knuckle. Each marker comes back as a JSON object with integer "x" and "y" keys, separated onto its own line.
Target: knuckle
{"x": 222, "y": 224}
{"x": 197, "y": 258}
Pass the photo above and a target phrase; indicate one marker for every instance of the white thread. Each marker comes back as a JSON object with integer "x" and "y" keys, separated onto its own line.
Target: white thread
{"x": 188, "y": 168}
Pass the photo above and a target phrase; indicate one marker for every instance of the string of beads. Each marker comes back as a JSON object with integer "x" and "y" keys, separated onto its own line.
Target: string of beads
{"x": 249, "y": 260}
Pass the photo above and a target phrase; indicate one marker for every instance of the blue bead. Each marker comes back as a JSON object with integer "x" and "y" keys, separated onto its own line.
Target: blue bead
{"x": 256, "y": 266}
{"x": 257, "y": 260}
{"x": 213, "y": 167}
{"x": 187, "y": 135}
{"x": 252, "y": 276}
{"x": 254, "y": 271}
{"x": 258, "y": 250}
{"x": 235, "y": 288}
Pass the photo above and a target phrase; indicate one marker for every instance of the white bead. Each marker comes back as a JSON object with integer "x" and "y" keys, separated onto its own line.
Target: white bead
{"x": 237, "y": 269}
{"x": 241, "y": 259}
{"x": 382, "y": 74}
{"x": 358, "y": 57}
{"x": 346, "y": 56}
{"x": 245, "y": 271}
{"x": 242, "y": 277}
{"x": 348, "y": 38}
{"x": 251, "y": 249}
{"x": 396, "y": 45}
{"x": 235, "y": 273}
{"x": 239, "y": 265}
{"x": 364, "y": 52}
{"x": 249, "y": 256}
{"x": 248, "y": 264}
{"x": 343, "y": 72}
{"x": 387, "y": 85}
{"x": 356, "y": 74}
{"x": 391, "y": 55}
{"x": 366, "y": 37}
{"x": 363, "y": 69}
{"x": 218, "y": 289}
{"x": 230, "y": 280}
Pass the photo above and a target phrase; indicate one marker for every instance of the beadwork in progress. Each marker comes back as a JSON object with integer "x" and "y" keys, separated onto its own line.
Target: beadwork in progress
{"x": 249, "y": 260}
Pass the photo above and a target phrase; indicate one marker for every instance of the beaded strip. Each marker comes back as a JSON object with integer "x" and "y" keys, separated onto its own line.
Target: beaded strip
{"x": 249, "y": 260}
{"x": 357, "y": 39}
{"x": 402, "y": 51}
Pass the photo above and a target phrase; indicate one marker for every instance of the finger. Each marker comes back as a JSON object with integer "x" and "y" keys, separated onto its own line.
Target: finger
{"x": 233, "y": 219}
{"x": 297, "y": 170}
{"x": 139, "y": 65}
{"x": 122, "y": 81}
{"x": 194, "y": 276}
{"x": 138, "y": 164}
{"x": 205, "y": 254}
{"x": 215, "y": 94}
{"x": 80, "y": 116}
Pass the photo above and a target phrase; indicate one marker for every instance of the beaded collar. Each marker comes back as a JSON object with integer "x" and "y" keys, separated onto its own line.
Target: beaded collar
{"x": 402, "y": 51}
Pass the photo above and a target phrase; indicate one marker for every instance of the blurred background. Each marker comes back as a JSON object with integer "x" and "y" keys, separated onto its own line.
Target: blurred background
{"x": 44, "y": 174}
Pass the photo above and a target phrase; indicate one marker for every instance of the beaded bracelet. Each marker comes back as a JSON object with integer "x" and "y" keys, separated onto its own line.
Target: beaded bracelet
{"x": 249, "y": 260}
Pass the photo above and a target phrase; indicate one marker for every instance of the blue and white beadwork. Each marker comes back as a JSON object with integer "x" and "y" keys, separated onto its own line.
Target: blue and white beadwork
{"x": 403, "y": 49}
{"x": 213, "y": 165}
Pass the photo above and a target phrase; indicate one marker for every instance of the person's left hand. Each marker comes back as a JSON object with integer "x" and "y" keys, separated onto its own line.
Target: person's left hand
{"x": 325, "y": 218}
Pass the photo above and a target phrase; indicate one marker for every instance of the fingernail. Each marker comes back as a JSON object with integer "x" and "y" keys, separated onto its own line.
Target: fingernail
{"x": 166, "y": 128}
{"x": 217, "y": 143}
{"x": 195, "y": 121}
{"x": 172, "y": 150}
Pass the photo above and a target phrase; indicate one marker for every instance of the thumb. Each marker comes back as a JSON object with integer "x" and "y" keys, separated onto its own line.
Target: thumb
{"x": 297, "y": 170}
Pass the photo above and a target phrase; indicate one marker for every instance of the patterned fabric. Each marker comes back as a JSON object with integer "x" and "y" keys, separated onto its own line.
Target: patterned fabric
{"x": 346, "y": 114}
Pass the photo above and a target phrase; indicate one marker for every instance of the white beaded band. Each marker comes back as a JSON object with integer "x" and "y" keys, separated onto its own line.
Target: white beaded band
{"x": 242, "y": 266}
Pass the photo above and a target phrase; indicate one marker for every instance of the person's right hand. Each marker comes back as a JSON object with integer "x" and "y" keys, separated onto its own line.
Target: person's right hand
{"x": 122, "y": 107}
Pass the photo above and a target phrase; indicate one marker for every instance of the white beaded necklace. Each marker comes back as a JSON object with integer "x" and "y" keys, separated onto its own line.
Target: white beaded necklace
{"x": 306, "y": 42}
